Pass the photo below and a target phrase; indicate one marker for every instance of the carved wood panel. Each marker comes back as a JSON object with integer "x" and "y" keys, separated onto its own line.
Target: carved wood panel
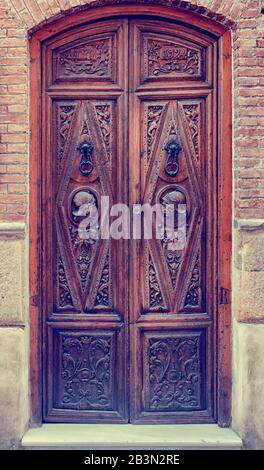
{"x": 86, "y": 59}
{"x": 173, "y": 372}
{"x": 130, "y": 324}
{"x": 84, "y": 378}
{"x": 166, "y": 122}
{"x": 166, "y": 57}
{"x": 78, "y": 123}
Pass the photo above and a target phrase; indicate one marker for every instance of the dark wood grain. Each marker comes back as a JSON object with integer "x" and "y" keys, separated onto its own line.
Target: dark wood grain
{"x": 139, "y": 320}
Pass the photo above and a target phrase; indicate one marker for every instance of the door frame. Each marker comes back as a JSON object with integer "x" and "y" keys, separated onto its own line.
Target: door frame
{"x": 224, "y": 151}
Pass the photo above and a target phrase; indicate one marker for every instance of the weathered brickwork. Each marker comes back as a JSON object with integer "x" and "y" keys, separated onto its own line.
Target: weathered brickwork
{"x": 18, "y": 16}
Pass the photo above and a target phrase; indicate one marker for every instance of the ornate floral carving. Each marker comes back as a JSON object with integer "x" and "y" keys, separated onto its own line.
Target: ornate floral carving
{"x": 85, "y": 372}
{"x": 170, "y": 58}
{"x": 154, "y": 114}
{"x": 193, "y": 297}
{"x": 174, "y": 373}
{"x": 172, "y": 199}
{"x": 102, "y": 296}
{"x": 104, "y": 117}
{"x": 65, "y": 119}
{"x": 192, "y": 115}
{"x": 174, "y": 261}
{"x": 65, "y": 297}
{"x": 83, "y": 254}
{"x": 92, "y": 59}
{"x": 84, "y": 203}
{"x": 155, "y": 296}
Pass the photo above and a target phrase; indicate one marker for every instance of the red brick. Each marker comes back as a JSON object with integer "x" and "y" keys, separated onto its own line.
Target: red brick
{"x": 14, "y": 138}
{"x": 16, "y": 209}
{"x": 18, "y": 4}
{"x": 17, "y": 148}
{"x": 3, "y": 188}
{"x": 17, "y": 108}
{"x": 10, "y": 198}
{"x": 17, "y": 188}
{"x": 12, "y": 158}
{"x": 17, "y": 127}
{"x": 10, "y": 178}
{"x": 16, "y": 32}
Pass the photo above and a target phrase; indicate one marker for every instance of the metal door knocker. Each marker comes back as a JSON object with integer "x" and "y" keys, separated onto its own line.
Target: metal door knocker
{"x": 86, "y": 150}
{"x": 172, "y": 165}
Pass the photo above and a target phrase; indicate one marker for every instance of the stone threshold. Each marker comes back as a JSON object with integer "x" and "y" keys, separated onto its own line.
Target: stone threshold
{"x": 128, "y": 436}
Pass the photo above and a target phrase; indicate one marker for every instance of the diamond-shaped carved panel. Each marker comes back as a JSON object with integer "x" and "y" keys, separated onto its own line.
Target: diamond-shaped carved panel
{"x": 174, "y": 180}
{"x": 85, "y": 177}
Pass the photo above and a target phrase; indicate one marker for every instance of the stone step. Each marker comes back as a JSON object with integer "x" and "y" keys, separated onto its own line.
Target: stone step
{"x": 128, "y": 436}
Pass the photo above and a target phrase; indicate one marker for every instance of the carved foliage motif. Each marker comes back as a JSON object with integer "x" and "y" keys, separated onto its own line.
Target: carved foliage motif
{"x": 85, "y": 372}
{"x": 173, "y": 257}
{"x": 104, "y": 117}
{"x": 154, "y": 114}
{"x": 193, "y": 297}
{"x": 174, "y": 261}
{"x": 83, "y": 254}
{"x": 66, "y": 114}
{"x": 155, "y": 296}
{"x": 83, "y": 203}
{"x": 92, "y": 59}
{"x": 166, "y": 58}
{"x": 174, "y": 373}
{"x": 102, "y": 296}
{"x": 65, "y": 297}
{"x": 192, "y": 116}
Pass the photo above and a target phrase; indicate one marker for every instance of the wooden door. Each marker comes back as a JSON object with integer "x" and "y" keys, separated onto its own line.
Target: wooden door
{"x": 129, "y": 325}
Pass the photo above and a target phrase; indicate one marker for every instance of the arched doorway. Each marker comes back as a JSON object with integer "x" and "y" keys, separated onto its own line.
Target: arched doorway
{"x": 132, "y": 110}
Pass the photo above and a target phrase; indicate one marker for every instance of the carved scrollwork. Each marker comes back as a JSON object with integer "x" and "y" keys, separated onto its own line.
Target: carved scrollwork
{"x": 155, "y": 296}
{"x": 92, "y": 59}
{"x": 83, "y": 203}
{"x": 65, "y": 297}
{"x": 85, "y": 372}
{"x": 154, "y": 114}
{"x": 66, "y": 114}
{"x": 170, "y": 58}
{"x": 192, "y": 116}
{"x": 104, "y": 116}
{"x": 172, "y": 200}
{"x": 193, "y": 297}
{"x": 102, "y": 296}
{"x": 174, "y": 368}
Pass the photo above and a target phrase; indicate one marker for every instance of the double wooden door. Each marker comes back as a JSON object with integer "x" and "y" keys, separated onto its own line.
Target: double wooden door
{"x": 129, "y": 324}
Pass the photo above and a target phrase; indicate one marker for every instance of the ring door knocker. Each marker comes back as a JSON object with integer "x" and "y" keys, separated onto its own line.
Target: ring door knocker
{"x": 86, "y": 150}
{"x": 172, "y": 165}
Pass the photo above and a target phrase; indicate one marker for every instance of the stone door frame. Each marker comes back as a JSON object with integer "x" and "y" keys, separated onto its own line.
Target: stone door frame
{"x": 224, "y": 128}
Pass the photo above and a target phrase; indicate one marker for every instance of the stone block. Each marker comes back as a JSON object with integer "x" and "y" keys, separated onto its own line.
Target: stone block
{"x": 12, "y": 283}
{"x": 248, "y": 275}
{"x": 14, "y": 408}
{"x": 248, "y": 390}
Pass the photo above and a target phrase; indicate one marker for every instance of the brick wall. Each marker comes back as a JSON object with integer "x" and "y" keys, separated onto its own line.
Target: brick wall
{"x": 18, "y": 16}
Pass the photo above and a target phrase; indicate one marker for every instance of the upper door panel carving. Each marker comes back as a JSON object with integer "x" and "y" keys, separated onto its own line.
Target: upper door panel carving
{"x": 92, "y": 56}
{"x": 170, "y": 58}
{"x": 169, "y": 55}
